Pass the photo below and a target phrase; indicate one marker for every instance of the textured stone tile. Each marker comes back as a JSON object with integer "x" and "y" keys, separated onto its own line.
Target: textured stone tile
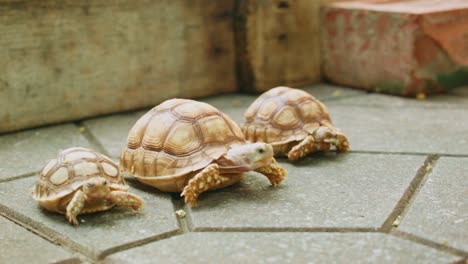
{"x": 98, "y": 231}
{"x": 112, "y": 131}
{"x": 17, "y": 245}
{"x": 325, "y": 91}
{"x": 282, "y": 248}
{"x": 460, "y": 91}
{"x": 440, "y": 211}
{"x": 400, "y": 129}
{"x": 348, "y": 190}
{"x": 27, "y": 151}
{"x": 451, "y": 101}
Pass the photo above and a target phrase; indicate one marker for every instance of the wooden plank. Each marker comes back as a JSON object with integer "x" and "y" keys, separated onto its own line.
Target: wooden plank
{"x": 67, "y": 60}
{"x": 277, "y": 43}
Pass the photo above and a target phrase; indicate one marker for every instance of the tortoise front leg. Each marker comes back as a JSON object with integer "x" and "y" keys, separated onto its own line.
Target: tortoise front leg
{"x": 206, "y": 179}
{"x": 342, "y": 144}
{"x": 122, "y": 198}
{"x": 302, "y": 149}
{"x": 274, "y": 172}
{"x": 75, "y": 206}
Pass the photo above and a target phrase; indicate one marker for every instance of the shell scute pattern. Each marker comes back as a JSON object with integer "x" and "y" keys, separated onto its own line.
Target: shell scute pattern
{"x": 66, "y": 173}
{"x": 294, "y": 122}
{"x": 283, "y": 113}
{"x": 180, "y": 136}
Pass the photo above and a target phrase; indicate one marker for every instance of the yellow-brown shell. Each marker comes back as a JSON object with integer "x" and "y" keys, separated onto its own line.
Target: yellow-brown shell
{"x": 68, "y": 172}
{"x": 176, "y": 138}
{"x": 283, "y": 115}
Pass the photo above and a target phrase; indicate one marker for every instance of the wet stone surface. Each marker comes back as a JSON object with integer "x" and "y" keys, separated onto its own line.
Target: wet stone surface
{"x": 26, "y": 152}
{"x": 286, "y": 247}
{"x": 322, "y": 191}
{"x": 18, "y": 245}
{"x": 440, "y": 212}
{"x": 331, "y": 208}
{"x": 407, "y": 130}
{"x": 99, "y": 231}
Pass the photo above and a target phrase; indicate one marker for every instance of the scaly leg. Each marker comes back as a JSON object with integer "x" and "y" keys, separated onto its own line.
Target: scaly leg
{"x": 274, "y": 172}
{"x": 206, "y": 179}
{"x": 122, "y": 198}
{"x": 342, "y": 144}
{"x": 302, "y": 149}
{"x": 75, "y": 206}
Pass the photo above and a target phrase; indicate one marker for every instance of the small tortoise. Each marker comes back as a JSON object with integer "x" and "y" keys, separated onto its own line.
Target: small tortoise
{"x": 81, "y": 181}
{"x": 191, "y": 147}
{"x": 293, "y": 122}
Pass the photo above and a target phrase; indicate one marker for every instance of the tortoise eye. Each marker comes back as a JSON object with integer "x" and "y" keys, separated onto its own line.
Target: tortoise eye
{"x": 260, "y": 150}
{"x": 105, "y": 183}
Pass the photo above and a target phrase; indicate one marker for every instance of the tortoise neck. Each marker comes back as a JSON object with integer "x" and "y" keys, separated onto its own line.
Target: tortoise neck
{"x": 229, "y": 165}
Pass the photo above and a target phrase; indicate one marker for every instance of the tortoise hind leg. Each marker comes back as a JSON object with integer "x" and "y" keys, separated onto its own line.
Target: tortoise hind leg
{"x": 206, "y": 179}
{"x": 75, "y": 206}
{"x": 306, "y": 146}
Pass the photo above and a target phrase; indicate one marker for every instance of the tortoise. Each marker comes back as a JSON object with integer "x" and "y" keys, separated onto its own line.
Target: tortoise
{"x": 81, "y": 181}
{"x": 294, "y": 122}
{"x": 190, "y": 147}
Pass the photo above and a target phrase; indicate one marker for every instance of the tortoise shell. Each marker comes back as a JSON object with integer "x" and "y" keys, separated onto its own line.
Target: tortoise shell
{"x": 176, "y": 138}
{"x": 68, "y": 172}
{"x": 282, "y": 115}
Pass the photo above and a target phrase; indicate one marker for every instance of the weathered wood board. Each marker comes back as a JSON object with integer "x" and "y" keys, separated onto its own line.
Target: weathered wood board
{"x": 277, "y": 43}
{"x": 67, "y": 60}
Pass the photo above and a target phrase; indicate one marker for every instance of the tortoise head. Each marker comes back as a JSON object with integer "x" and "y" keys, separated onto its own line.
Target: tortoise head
{"x": 252, "y": 156}
{"x": 96, "y": 188}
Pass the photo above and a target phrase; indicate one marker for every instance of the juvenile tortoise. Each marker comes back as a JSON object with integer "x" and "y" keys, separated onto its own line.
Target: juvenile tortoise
{"x": 191, "y": 147}
{"x": 294, "y": 122}
{"x": 81, "y": 181}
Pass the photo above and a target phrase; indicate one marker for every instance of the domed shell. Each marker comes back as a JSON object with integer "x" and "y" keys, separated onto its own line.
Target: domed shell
{"x": 68, "y": 172}
{"x": 283, "y": 115}
{"x": 175, "y": 138}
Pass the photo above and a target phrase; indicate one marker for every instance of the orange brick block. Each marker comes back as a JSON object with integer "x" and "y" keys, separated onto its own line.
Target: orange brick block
{"x": 398, "y": 47}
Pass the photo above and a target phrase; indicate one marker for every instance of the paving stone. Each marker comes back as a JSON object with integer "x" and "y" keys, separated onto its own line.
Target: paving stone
{"x": 27, "y": 151}
{"x": 338, "y": 191}
{"x": 112, "y": 131}
{"x": 17, "y": 245}
{"x": 99, "y": 231}
{"x": 451, "y": 101}
{"x": 440, "y": 211}
{"x": 460, "y": 91}
{"x": 400, "y": 129}
{"x": 236, "y": 247}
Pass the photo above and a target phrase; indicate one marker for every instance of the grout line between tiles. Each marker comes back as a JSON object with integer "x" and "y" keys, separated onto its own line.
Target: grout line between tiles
{"x": 22, "y": 176}
{"x": 185, "y": 221}
{"x": 429, "y": 243}
{"x": 137, "y": 243}
{"x": 408, "y": 153}
{"x": 409, "y": 195}
{"x": 45, "y": 232}
{"x": 290, "y": 229}
{"x": 88, "y": 135}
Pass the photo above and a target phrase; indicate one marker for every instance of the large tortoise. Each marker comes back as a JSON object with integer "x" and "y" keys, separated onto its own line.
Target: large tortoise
{"x": 191, "y": 147}
{"x": 294, "y": 122}
{"x": 81, "y": 181}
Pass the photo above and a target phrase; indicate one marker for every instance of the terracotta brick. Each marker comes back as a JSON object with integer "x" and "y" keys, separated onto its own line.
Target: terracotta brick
{"x": 396, "y": 47}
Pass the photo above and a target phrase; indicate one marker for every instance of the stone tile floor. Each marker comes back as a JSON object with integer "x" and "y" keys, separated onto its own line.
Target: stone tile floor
{"x": 400, "y": 195}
